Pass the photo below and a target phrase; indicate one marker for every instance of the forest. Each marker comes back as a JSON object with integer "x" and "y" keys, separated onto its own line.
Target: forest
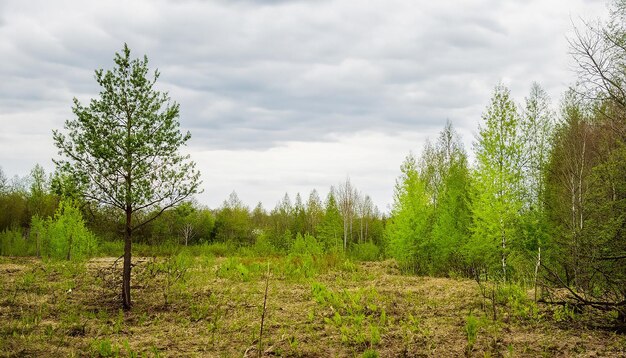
{"x": 513, "y": 247}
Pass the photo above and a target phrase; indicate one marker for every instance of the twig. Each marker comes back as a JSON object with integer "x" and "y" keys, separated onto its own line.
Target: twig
{"x": 267, "y": 282}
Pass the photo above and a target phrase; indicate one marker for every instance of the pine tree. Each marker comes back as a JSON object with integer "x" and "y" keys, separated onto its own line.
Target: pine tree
{"x": 124, "y": 148}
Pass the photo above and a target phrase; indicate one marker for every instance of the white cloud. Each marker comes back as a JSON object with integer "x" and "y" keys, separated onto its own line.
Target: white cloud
{"x": 285, "y": 95}
{"x": 370, "y": 159}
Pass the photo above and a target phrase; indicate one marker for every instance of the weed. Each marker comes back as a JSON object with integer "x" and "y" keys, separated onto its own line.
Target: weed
{"x": 119, "y": 322}
{"x": 233, "y": 268}
{"x": 267, "y": 282}
{"x": 48, "y": 331}
{"x": 72, "y": 323}
{"x": 28, "y": 280}
{"x": 374, "y": 334}
{"x": 104, "y": 348}
{"x": 349, "y": 266}
{"x": 472, "y": 325}
{"x": 215, "y": 320}
{"x": 170, "y": 274}
{"x": 300, "y": 266}
{"x": 331, "y": 315}
{"x": 516, "y": 300}
{"x": 565, "y": 313}
{"x": 351, "y": 311}
{"x": 129, "y": 352}
{"x": 293, "y": 343}
{"x": 199, "y": 311}
{"x": 142, "y": 318}
{"x": 370, "y": 353}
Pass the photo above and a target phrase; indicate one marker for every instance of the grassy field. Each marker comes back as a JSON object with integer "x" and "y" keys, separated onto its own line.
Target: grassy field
{"x": 204, "y": 306}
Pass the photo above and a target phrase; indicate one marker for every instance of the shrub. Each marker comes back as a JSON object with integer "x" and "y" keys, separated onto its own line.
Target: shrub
{"x": 472, "y": 324}
{"x": 365, "y": 252}
{"x": 306, "y": 245}
{"x": 66, "y": 236}
{"x": 516, "y": 300}
{"x": 263, "y": 247}
{"x": 13, "y": 243}
{"x": 170, "y": 273}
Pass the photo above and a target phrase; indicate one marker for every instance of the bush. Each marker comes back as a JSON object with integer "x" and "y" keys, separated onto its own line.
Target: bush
{"x": 13, "y": 243}
{"x": 66, "y": 237}
{"x": 171, "y": 274}
{"x": 306, "y": 245}
{"x": 263, "y": 247}
{"x": 296, "y": 267}
{"x": 515, "y": 298}
{"x": 365, "y": 252}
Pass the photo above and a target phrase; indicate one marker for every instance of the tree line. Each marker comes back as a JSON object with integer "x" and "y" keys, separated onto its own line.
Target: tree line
{"x": 344, "y": 218}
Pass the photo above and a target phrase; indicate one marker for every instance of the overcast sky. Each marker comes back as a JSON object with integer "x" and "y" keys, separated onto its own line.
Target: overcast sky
{"x": 285, "y": 96}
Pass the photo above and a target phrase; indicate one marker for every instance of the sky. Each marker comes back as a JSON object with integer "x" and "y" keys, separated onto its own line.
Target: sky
{"x": 286, "y": 96}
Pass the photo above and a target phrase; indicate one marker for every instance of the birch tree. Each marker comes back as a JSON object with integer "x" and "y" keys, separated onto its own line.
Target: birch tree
{"x": 497, "y": 199}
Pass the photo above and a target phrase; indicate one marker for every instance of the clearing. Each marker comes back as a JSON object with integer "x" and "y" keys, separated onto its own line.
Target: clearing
{"x": 205, "y": 306}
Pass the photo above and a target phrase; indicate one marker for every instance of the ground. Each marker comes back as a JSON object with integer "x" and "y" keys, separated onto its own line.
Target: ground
{"x": 205, "y": 306}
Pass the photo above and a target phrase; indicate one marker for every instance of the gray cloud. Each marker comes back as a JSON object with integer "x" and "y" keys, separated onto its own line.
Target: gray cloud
{"x": 254, "y": 74}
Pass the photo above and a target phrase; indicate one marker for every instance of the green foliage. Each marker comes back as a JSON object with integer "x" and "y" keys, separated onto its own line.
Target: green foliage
{"x": 233, "y": 222}
{"x": 123, "y": 146}
{"x": 472, "y": 325}
{"x": 13, "y": 243}
{"x": 586, "y": 197}
{"x": 104, "y": 348}
{"x": 453, "y": 219}
{"x": 66, "y": 236}
{"x": 408, "y": 230}
{"x": 123, "y": 150}
{"x": 170, "y": 274}
{"x": 238, "y": 270}
{"x": 199, "y": 311}
{"x": 330, "y": 229}
{"x": 430, "y": 220}
{"x": 515, "y": 299}
{"x": 367, "y": 251}
{"x": 564, "y": 313}
{"x": 263, "y": 247}
{"x": 306, "y": 245}
{"x": 219, "y": 249}
{"x": 297, "y": 267}
{"x": 350, "y": 312}
{"x": 63, "y": 237}
{"x": 370, "y": 353}
{"x": 497, "y": 198}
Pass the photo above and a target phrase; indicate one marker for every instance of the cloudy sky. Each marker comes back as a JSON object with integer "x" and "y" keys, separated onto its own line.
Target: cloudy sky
{"x": 280, "y": 95}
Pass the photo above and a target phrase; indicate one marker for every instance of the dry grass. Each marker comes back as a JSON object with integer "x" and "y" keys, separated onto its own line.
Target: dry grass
{"x": 55, "y": 309}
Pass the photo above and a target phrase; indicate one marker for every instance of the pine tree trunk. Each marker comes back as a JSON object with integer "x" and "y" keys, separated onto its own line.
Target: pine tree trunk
{"x": 127, "y": 263}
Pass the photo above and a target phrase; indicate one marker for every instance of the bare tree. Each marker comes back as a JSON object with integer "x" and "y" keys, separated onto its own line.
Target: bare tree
{"x": 346, "y": 199}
